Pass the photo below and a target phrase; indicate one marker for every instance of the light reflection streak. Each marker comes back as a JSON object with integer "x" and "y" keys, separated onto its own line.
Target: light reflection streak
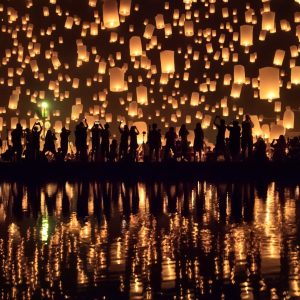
{"x": 149, "y": 239}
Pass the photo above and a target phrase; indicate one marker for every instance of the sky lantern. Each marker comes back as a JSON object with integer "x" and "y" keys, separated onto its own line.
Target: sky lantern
{"x": 269, "y": 83}
{"x": 239, "y": 74}
{"x": 133, "y": 109}
{"x": 246, "y": 35}
{"x": 135, "y": 45}
{"x": 288, "y": 118}
{"x": 295, "y": 75}
{"x": 142, "y": 94}
{"x": 116, "y": 79}
{"x": 279, "y": 57}
{"x": 277, "y": 106}
{"x": 111, "y": 14}
{"x": 268, "y": 21}
{"x": 125, "y": 8}
{"x": 167, "y": 61}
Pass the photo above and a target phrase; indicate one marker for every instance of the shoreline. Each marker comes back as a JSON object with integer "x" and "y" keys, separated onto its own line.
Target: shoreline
{"x": 122, "y": 171}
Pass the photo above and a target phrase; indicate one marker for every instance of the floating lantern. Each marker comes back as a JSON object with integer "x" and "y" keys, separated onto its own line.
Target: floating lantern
{"x": 110, "y": 14}
{"x": 288, "y": 118}
{"x": 167, "y": 61}
{"x": 269, "y": 85}
{"x": 117, "y": 83}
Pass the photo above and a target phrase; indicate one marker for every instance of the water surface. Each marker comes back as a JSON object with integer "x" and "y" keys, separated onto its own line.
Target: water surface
{"x": 127, "y": 240}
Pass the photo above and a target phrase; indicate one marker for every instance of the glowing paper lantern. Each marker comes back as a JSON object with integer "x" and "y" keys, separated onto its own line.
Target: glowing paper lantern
{"x": 125, "y": 7}
{"x": 295, "y": 75}
{"x": 117, "y": 83}
{"x": 142, "y": 94}
{"x": 269, "y": 85}
{"x": 288, "y": 118}
{"x": 268, "y": 21}
{"x": 111, "y": 14}
{"x": 246, "y": 35}
{"x": 277, "y": 106}
{"x": 239, "y": 74}
{"x": 133, "y": 109}
{"x": 167, "y": 61}
{"x": 195, "y": 99}
{"x": 135, "y": 45}
{"x": 279, "y": 57}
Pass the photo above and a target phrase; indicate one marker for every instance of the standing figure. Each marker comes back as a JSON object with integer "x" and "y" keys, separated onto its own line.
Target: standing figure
{"x": 234, "y": 140}
{"x": 123, "y": 150}
{"x": 154, "y": 139}
{"x": 198, "y": 141}
{"x": 170, "y": 137}
{"x": 279, "y": 147}
{"x": 113, "y": 151}
{"x": 81, "y": 140}
{"x": 35, "y": 139}
{"x": 247, "y": 138}
{"x": 220, "y": 140}
{"x": 49, "y": 145}
{"x": 133, "y": 133}
{"x": 96, "y": 133}
{"x": 183, "y": 133}
{"x": 64, "y": 141}
{"x": 16, "y": 138}
{"x": 105, "y": 135}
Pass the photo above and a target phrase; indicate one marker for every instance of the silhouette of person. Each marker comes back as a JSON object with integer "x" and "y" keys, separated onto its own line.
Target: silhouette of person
{"x": 234, "y": 140}
{"x": 170, "y": 137}
{"x": 49, "y": 145}
{"x": 64, "y": 141}
{"x": 133, "y": 133}
{"x": 198, "y": 141}
{"x": 123, "y": 150}
{"x": 35, "y": 139}
{"x": 96, "y": 134}
{"x": 260, "y": 148}
{"x": 81, "y": 140}
{"x": 247, "y": 138}
{"x": 154, "y": 139}
{"x": 279, "y": 147}
{"x": 28, "y": 144}
{"x": 105, "y": 135}
{"x": 220, "y": 140}
{"x": 113, "y": 151}
{"x": 16, "y": 138}
{"x": 183, "y": 134}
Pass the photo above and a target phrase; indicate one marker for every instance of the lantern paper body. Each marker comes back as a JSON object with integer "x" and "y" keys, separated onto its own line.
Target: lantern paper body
{"x": 167, "y": 61}
{"x": 288, "y": 118}
{"x": 295, "y": 75}
{"x": 246, "y": 35}
{"x": 269, "y": 87}
{"x": 125, "y": 7}
{"x": 239, "y": 74}
{"x": 116, "y": 80}
{"x": 142, "y": 95}
{"x": 135, "y": 45}
{"x": 111, "y": 14}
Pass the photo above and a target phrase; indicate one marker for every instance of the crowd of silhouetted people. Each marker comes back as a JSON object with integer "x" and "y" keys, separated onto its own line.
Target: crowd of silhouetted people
{"x": 98, "y": 145}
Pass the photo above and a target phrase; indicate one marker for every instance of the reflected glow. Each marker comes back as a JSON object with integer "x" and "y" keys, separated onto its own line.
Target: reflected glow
{"x": 149, "y": 239}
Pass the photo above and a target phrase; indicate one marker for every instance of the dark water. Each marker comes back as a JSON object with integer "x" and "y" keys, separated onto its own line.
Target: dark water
{"x": 149, "y": 241}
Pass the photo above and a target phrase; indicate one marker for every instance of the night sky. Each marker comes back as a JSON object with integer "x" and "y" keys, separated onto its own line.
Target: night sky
{"x": 208, "y": 27}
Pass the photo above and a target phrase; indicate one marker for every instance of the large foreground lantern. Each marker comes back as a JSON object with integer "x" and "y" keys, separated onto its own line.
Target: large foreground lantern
{"x": 295, "y": 75}
{"x": 111, "y": 14}
{"x": 269, "y": 86}
{"x": 135, "y": 45}
{"x": 167, "y": 61}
